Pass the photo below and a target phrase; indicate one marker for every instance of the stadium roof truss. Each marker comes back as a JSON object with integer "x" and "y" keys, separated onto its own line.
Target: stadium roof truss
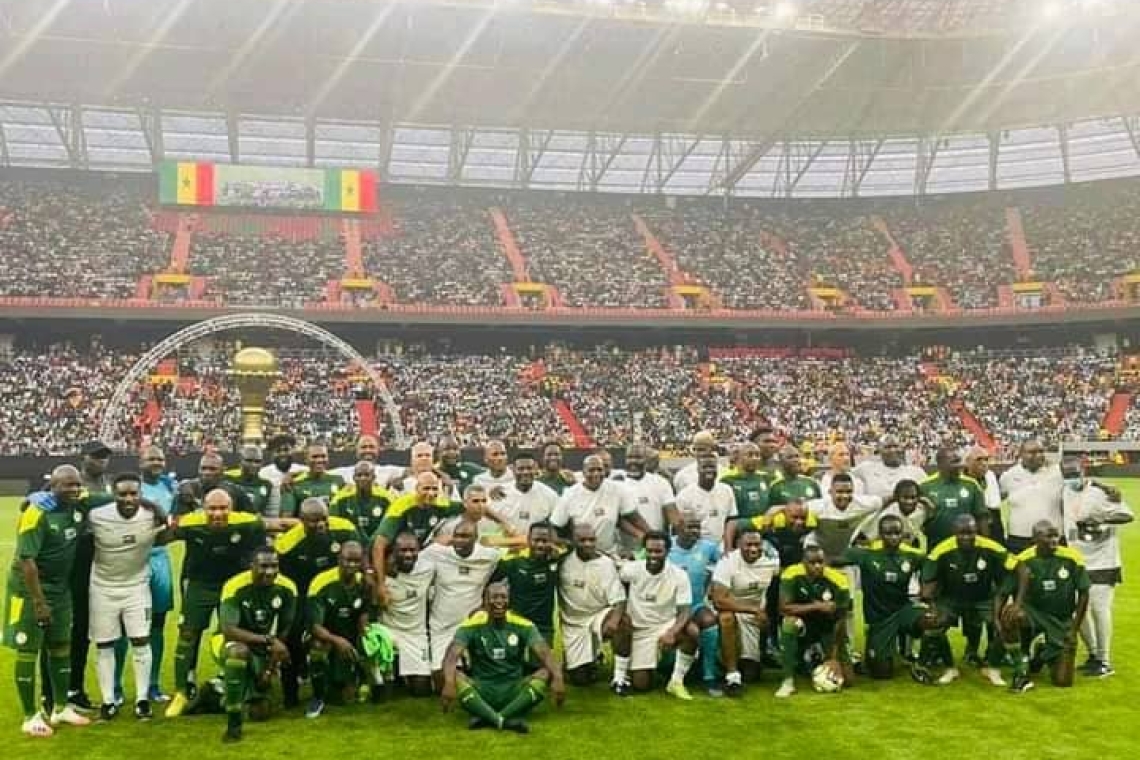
{"x": 122, "y": 139}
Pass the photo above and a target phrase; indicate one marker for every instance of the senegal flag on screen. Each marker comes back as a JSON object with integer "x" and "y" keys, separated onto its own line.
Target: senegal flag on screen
{"x": 188, "y": 183}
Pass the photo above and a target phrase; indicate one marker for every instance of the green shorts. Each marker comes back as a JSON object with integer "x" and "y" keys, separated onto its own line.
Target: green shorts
{"x": 344, "y": 672}
{"x": 883, "y": 636}
{"x": 23, "y": 633}
{"x": 199, "y": 603}
{"x": 255, "y": 668}
{"x": 951, "y": 613}
{"x": 1050, "y": 627}
{"x": 498, "y": 694}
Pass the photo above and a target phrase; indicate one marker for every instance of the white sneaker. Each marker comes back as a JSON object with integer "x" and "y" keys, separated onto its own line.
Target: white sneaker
{"x": 949, "y": 676}
{"x": 787, "y": 689}
{"x": 70, "y": 716}
{"x": 37, "y": 727}
{"x": 993, "y": 675}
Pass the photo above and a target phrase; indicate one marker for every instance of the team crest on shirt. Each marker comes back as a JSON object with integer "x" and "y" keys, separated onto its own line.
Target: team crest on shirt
{"x": 513, "y": 640}
{"x": 1062, "y": 573}
{"x": 357, "y": 602}
{"x": 69, "y": 534}
{"x": 335, "y": 548}
{"x": 826, "y": 595}
{"x": 259, "y": 616}
{"x": 21, "y": 638}
{"x": 276, "y": 603}
{"x": 76, "y": 517}
{"x": 981, "y": 563}
{"x": 905, "y": 566}
{"x": 235, "y": 538}
{"x": 553, "y": 566}
{"x": 263, "y": 491}
{"x": 964, "y": 493}
{"x": 377, "y": 511}
{"x": 1048, "y": 585}
{"x": 433, "y": 520}
{"x": 464, "y": 570}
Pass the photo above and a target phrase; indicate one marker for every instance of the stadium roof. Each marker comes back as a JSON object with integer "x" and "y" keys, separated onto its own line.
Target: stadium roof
{"x": 831, "y": 97}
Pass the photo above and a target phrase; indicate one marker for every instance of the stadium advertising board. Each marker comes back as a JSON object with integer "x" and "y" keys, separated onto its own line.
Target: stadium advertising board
{"x": 188, "y": 183}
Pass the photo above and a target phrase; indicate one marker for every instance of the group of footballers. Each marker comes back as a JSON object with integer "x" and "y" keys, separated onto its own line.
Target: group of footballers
{"x": 451, "y": 578}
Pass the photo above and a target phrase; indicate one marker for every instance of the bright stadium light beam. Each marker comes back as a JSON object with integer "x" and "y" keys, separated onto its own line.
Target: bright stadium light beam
{"x": 349, "y": 59}
{"x": 222, "y": 76}
{"x": 32, "y": 36}
{"x": 784, "y": 11}
{"x": 439, "y": 79}
{"x": 144, "y": 49}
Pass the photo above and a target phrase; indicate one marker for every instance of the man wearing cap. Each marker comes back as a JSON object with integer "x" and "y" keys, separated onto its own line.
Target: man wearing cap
{"x": 978, "y": 468}
{"x": 247, "y": 477}
{"x": 703, "y": 445}
{"x": 281, "y": 471}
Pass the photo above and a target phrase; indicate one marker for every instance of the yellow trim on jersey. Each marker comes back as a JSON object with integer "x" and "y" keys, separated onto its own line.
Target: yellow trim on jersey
{"x": 327, "y": 578}
{"x": 15, "y": 609}
{"x": 233, "y": 472}
{"x": 286, "y": 584}
{"x": 518, "y": 619}
{"x": 948, "y": 545}
{"x": 350, "y": 490}
{"x": 478, "y": 618}
{"x": 969, "y": 479}
{"x": 1064, "y": 552}
{"x": 781, "y": 520}
{"x": 904, "y": 548}
{"x": 838, "y": 579}
{"x": 30, "y": 519}
{"x": 794, "y": 571}
{"x": 287, "y": 541}
{"x": 307, "y": 476}
{"x": 236, "y": 584}
{"x": 407, "y": 502}
{"x": 929, "y": 479}
{"x": 342, "y": 523}
{"x": 988, "y": 543}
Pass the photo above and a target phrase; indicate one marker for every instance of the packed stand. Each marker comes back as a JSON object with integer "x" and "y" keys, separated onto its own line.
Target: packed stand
{"x": 53, "y": 398}
{"x": 858, "y": 399}
{"x": 255, "y": 270}
{"x": 590, "y": 251}
{"x": 734, "y": 253}
{"x": 444, "y": 250}
{"x": 67, "y": 239}
{"x": 963, "y": 248}
{"x": 1054, "y": 397}
{"x": 1086, "y": 244}
{"x": 474, "y": 398}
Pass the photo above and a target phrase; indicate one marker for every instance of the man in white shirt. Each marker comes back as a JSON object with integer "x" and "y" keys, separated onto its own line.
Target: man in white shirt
{"x": 1093, "y": 514}
{"x": 710, "y": 499}
{"x": 120, "y": 600}
{"x": 281, "y": 471}
{"x": 839, "y": 462}
{"x": 462, "y": 569}
{"x": 602, "y": 504}
{"x": 1033, "y": 489}
{"x": 906, "y": 503}
{"x": 881, "y": 475}
{"x": 978, "y": 468}
{"x": 525, "y": 501}
{"x": 740, "y": 584}
{"x": 660, "y": 618}
{"x": 409, "y": 584}
{"x": 498, "y": 475}
{"x": 591, "y": 606}
{"x": 651, "y": 494}
{"x": 703, "y": 445}
{"x": 368, "y": 450}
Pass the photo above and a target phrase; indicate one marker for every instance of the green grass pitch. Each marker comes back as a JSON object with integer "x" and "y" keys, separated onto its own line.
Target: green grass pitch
{"x": 899, "y": 719}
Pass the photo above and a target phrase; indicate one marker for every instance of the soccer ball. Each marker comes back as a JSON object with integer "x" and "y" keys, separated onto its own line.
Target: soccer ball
{"x": 825, "y": 681}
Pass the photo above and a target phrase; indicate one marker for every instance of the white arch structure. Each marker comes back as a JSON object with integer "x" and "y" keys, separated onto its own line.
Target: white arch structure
{"x": 116, "y": 407}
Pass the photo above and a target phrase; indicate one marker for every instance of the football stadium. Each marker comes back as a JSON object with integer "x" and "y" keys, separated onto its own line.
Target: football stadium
{"x": 569, "y": 378}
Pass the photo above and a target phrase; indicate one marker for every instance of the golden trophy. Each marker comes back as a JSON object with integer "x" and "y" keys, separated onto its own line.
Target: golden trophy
{"x": 254, "y": 372}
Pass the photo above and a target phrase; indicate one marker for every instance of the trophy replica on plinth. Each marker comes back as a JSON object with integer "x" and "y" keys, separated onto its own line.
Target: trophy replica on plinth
{"x": 254, "y": 372}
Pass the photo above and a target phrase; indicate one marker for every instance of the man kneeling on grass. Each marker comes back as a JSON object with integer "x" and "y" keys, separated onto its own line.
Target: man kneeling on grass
{"x": 499, "y": 688}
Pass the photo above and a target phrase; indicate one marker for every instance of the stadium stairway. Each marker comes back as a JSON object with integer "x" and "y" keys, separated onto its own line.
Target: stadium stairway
{"x": 152, "y": 415}
{"x": 1022, "y": 258}
{"x": 673, "y": 274}
{"x": 898, "y": 257}
{"x": 974, "y": 426}
{"x": 366, "y": 413}
{"x": 1114, "y": 417}
{"x": 582, "y": 439}
{"x": 510, "y": 247}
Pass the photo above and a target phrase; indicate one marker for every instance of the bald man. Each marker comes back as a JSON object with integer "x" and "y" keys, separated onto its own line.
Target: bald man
{"x": 497, "y": 475}
{"x": 703, "y": 445}
{"x": 219, "y": 544}
{"x": 881, "y": 474}
{"x": 1033, "y": 489}
{"x": 605, "y": 505}
{"x": 368, "y": 450}
{"x": 211, "y": 476}
{"x": 247, "y": 477}
{"x": 978, "y": 468}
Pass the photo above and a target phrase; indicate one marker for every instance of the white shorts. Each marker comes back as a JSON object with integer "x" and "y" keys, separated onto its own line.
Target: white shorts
{"x": 441, "y": 639}
{"x": 646, "y": 652}
{"x": 412, "y": 653}
{"x": 751, "y": 637}
{"x": 582, "y": 643}
{"x": 114, "y": 612}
